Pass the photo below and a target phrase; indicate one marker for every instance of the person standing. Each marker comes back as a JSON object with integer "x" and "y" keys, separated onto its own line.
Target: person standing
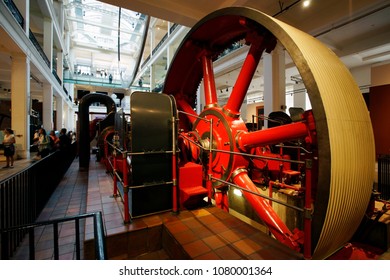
{"x": 9, "y": 147}
{"x": 65, "y": 141}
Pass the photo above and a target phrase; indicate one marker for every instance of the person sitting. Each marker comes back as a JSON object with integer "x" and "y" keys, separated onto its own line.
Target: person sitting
{"x": 34, "y": 145}
{"x": 43, "y": 144}
{"x": 55, "y": 141}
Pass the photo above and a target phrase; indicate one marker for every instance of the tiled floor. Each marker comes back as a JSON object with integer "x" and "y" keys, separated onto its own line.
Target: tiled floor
{"x": 69, "y": 199}
{"x": 207, "y": 233}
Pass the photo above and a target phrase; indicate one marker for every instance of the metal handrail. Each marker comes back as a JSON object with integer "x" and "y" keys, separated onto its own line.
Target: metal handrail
{"x": 15, "y": 12}
{"x": 258, "y": 194}
{"x": 24, "y": 194}
{"x": 244, "y": 154}
{"x": 100, "y": 245}
{"x": 36, "y": 44}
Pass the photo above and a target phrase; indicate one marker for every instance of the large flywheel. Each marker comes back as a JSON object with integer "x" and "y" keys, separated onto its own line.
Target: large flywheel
{"x": 338, "y": 129}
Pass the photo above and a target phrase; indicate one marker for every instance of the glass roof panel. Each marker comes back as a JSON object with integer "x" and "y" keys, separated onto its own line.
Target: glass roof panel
{"x": 113, "y": 36}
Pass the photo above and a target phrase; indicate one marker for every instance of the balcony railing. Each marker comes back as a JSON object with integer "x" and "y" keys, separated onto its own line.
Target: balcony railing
{"x": 15, "y": 12}
{"x": 36, "y": 44}
{"x": 56, "y": 76}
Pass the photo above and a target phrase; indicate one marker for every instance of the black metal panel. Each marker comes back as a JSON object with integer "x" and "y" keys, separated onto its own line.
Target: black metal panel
{"x": 121, "y": 127}
{"x": 384, "y": 177}
{"x": 151, "y": 136}
{"x": 150, "y": 199}
{"x": 83, "y": 124}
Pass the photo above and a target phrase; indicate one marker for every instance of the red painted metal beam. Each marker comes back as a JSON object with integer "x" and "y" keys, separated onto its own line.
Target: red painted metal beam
{"x": 125, "y": 187}
{"x": 245, "y": 77}
{"x": 209, "y": 82}
{"x": 184, "y": 106}
{"x": 272, "y": 135}
{"x": 265, "y": 210}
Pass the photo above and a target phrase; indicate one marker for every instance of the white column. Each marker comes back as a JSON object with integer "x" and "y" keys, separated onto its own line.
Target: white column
{"x": 65, "y": 118}
{"x": 70, "y": 115}
{"x": 71, "y": 120}
{"x": 170, "y": 54}
{"x": 243, "y": 110}
{"x": 152, "y": 77}
{"x": 20, "y": 105}
{"x": 60, "y": 112}
{"x": 47, "y": 107}
{"x": 48, "y": 39}
{"x": 274, "y": 81}
{"x": 152, "y": 40}
{"x": 61, "y": 15}
{"x": 299, "y": 96}
{"x": 60, "y": 65}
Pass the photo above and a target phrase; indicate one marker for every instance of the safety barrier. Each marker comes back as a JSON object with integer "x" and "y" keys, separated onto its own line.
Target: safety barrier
{"x": 24, "y": 194}
{"x": 123, "y": 178}
{"x": 100, "y": 245}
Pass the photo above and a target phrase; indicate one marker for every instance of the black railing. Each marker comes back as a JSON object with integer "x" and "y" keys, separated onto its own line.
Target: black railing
{"x": 99, "y": 236}
{"x": 24, "y": 194}
{"x": 160, "y": 44}
{"x": 146, "y": 61}
{"x": 173, "y": 27}
{"x": 384, "y": 177}
{"x": 15, "y": 12}
{"x": 38, "y": 47}
{"x": 56, "y": 76}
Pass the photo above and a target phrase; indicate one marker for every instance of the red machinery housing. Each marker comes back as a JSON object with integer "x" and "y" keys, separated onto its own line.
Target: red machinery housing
{"x": 217, "y": 154}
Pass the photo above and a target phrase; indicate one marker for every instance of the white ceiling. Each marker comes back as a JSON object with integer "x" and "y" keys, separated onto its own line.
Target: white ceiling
{"x": 358, "y": 31}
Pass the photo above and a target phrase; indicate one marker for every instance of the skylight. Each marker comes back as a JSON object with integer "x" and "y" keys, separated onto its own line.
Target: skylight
{"x": 104, "y": 36}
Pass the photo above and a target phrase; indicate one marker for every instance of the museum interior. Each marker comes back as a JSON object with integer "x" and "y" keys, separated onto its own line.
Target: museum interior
{"x": 194, "y": 130}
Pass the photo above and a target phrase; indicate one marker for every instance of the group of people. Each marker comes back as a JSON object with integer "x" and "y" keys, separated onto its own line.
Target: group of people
{"x": 46, "y": 143}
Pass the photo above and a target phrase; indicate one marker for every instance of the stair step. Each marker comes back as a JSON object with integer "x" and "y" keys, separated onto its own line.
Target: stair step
{"x": 195, "y": 190}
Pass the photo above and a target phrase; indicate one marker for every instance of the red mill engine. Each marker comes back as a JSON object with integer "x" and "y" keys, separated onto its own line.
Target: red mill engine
{"x": 308, "y": 179}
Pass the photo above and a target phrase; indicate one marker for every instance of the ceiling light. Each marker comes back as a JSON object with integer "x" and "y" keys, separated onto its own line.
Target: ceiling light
{"x": 306, "y": 3}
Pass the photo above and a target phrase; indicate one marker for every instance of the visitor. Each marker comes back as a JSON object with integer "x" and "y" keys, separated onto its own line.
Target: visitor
{"x": 9, "y": 147}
